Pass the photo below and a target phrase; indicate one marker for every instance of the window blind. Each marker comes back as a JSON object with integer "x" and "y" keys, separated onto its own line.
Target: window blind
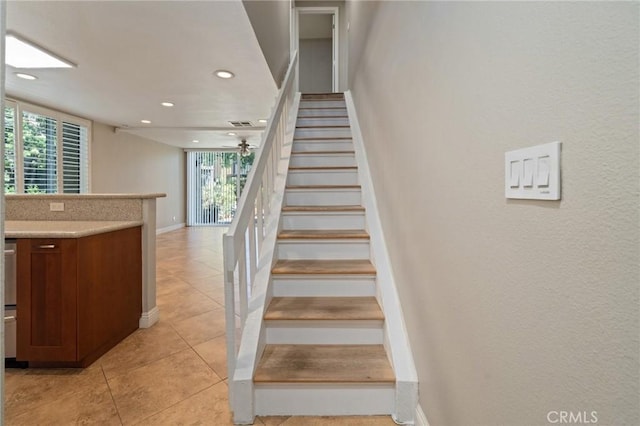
{"x": 214, "y": 182}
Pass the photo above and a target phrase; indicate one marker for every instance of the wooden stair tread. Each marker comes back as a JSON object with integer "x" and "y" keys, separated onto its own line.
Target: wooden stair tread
{"x": 322, "y": 187}
{"x": 324, "y": 267}
{"x": 341, "y": 138}
{"x": 319, "y": 117}
{"x": 321, "y": 152}
{"x": 323, "y": 209}
{"x": 334, "y": 96}
{"x": 326, "y": 126}
{"x": 309, "y": 168}
{"x": 324, "y": 107}
{"x": 324, "y": 364}
{"x": 323, "y": 308}
{"x": 320, "y": 234}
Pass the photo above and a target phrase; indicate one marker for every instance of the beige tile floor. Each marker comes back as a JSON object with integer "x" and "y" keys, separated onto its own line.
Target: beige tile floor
{"x": 170, "y": 374}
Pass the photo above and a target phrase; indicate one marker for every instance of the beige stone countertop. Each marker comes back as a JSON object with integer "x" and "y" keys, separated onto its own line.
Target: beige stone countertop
{"x": 62, "y": 228}
{"x": 87, "y": 196}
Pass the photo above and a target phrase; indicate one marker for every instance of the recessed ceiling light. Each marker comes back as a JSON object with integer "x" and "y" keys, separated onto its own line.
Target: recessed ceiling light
{"x": 167, "y": 104}
{"x": 26, "y": 76}
{"x": 224, "y": 74}
{"x": 20, "y": 53}
{"x": 262, "y": 120}
{"x": 145, "y": 121}
{"x": 195, "y": 141}
{"x": 231, "y": 134}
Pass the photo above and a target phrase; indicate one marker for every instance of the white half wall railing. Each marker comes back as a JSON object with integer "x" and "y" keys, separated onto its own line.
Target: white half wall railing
{"x": 243, "y": 242}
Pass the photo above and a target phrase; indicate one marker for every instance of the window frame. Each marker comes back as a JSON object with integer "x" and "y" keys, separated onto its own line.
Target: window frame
{"x": 60, "y": 117}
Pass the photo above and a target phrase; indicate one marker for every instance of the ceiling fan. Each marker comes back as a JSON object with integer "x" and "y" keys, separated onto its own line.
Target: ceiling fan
{"x": 244, "y": 148}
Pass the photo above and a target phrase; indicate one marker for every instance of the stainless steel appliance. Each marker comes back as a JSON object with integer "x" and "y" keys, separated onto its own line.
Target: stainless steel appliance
{"x": 10, "y": 318}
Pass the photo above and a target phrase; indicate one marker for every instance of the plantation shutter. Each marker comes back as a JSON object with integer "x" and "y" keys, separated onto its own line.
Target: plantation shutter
{"x": 75, "y": 162}
{"x": 10, "y": 149}
{"x": 39, "y": 144}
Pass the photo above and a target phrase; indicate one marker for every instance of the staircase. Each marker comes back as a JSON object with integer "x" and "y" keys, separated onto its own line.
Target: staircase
{"x": 324, "y": 327}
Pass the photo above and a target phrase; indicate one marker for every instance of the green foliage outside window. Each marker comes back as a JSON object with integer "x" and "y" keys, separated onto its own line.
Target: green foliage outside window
{"x": 38, "y": 152}
{"x": 218, "y": 177}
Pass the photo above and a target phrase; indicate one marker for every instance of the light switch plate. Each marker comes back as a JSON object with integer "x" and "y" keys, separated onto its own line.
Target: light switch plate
{"x": 533, "y": 173}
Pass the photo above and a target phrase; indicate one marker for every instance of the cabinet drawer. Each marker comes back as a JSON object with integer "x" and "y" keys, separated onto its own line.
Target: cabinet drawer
{"x": 45, "y": 245}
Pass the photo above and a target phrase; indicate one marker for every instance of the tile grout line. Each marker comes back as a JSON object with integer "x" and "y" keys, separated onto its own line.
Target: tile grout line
{"x": 146, "y": 364}
{"x": 111, "y": 394}
{"x": 178, "y": 402}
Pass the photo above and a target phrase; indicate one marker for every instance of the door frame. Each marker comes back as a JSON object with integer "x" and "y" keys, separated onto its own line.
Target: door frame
{"x": 295, "y": 34}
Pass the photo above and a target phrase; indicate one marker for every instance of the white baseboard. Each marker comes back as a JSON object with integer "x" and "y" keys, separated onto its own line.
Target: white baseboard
{"x": 147, "y": 319}
{"x": 421, "y": 418}
{"x": 169, "y": 228}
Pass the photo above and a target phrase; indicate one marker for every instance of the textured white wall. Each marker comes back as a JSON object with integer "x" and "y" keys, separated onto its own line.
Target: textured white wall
{"x": 125, "y": 163}
{"x": 270, "y": 22}
{"x": 359, "y": 15}
{"x": 514, "y": 308}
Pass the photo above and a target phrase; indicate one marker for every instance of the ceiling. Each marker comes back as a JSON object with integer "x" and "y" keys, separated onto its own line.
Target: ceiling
{"x": 131, "y": 56}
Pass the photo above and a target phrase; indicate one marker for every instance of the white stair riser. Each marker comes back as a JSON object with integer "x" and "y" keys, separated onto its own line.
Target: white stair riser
{"x": 333, "y": 250}
{"x": 323, "y": 104}
{"x": 329, "y": 132}
{"x": 321, "y": 121}
{"x": 322, "y": 160}
{"x": 320, "y": 145}
{"x": 323, "y": 177}
{"x": 324, "y": 399}
{"x": 305, "y": 220}
{"x": 338, "y": 286}
{"x": 320, "y": 112}
{"x": 300, "y": 197}
{"x": 325, "y": 332}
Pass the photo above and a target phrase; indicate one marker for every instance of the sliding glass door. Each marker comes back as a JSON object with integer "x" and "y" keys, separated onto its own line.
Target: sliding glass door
{"x": 214, "y": 183}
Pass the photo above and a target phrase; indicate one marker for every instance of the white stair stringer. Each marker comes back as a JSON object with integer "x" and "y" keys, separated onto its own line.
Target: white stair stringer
{"x": 396, "y": 337}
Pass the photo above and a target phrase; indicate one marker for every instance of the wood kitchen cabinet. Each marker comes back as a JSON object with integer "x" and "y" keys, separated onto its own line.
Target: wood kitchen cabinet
{"x": 77, "y": 297}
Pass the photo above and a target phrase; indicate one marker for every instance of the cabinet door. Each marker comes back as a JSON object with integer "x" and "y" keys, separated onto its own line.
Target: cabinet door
{"x": 109, "y": 289}
{"x": 47, "y": 300}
